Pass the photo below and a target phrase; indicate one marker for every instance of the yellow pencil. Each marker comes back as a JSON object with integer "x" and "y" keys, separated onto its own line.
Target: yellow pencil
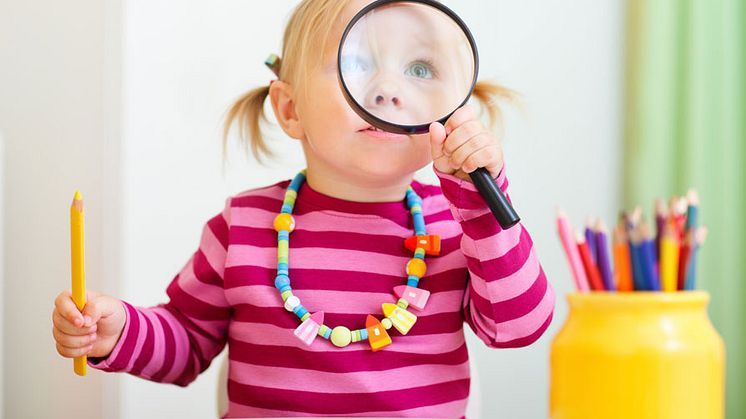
{"x": 669, "y": 262}
{"x": 77, "y": 252}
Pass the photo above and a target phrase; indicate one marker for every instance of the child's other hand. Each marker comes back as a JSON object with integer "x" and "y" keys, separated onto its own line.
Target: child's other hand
{"x": 465, "y": 144}
{"x": 94, "y": 332}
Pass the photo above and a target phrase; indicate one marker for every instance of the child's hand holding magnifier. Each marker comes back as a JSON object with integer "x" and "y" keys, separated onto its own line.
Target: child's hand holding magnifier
{"x": 465, "y": 144}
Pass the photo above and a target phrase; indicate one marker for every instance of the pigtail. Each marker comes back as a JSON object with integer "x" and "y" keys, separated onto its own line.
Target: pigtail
{"x": 490, "y": 96}
{"x": 247, "y": 113}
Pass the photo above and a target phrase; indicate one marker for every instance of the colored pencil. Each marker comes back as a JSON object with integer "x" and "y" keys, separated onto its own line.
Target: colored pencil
{"x": 648, "y": 259}
{"x": 699, "y": 236}
{"x": 604, "y": 260}
{"x": 571, "y": 251}
{"x": 670, "y": 249}
{"x": 77, "y": 254}
{"x": 594, "y": 276}
{"x": 622, "y": 261}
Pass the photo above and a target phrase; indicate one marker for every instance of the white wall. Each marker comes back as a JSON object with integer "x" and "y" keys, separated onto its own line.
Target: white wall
{"x": 152, "y": 80}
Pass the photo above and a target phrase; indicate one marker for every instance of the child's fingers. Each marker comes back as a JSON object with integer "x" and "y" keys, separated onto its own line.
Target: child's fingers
{"x": 469, "y": 147}
{"x": 73, "y": 342}
{"x": 489, "y": 157}
{"x": 73, "y": 352}
{"x": 66, "y": 327}
{"x": 462, "y": 115}
{"x": 67, "y": 308}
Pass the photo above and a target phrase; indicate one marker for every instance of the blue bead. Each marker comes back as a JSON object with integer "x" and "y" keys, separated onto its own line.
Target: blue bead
{"x": 297, "y": 181}
{"x": 300, "y": 311}
{"x": 363, "y": 334}
{"x": 327, "y": 333}
{"x": 413, "y": 199}
{"x": 419, "y": 256}
{"x": 419, "y": 225}
{"x": 283, "y": 235}
{"x": 287, "y": 208}
{"x": 412, "y": 282}
{"x": 282, "y": 269}
{"x": 282, "y": 282}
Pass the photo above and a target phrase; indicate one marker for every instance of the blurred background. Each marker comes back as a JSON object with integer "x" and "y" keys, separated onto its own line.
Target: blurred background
{"x": 622, "y": 102}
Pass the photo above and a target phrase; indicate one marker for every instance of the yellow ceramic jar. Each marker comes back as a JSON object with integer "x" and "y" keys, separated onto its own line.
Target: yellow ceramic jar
{"x": 637, "y": 355}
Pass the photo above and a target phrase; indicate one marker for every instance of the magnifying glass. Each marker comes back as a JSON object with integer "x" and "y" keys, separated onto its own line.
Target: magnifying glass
{"x": 404, "y": 64}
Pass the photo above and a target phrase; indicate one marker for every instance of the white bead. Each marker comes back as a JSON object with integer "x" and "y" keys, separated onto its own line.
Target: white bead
{"x": 291, "y": 303}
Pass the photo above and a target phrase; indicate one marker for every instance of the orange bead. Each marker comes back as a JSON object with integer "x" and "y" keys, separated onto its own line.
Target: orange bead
{"x": 284, "y": 221}
{"x": 416, "y": 267}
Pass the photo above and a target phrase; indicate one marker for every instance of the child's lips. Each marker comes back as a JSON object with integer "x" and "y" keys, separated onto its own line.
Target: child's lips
{"x": 380, "y": 134}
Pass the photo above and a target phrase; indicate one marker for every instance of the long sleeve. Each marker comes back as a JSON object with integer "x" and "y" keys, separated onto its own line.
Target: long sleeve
{"x": 508, "y": 302}
{"x": 174, "y": 342}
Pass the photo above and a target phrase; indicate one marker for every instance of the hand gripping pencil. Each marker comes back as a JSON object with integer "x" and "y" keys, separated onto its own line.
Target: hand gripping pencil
{"x": 77, "y": 253}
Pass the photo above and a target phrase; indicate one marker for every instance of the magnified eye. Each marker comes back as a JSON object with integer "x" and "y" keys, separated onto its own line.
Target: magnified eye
{"x": 353, "y": 64}
{"x": 420, "y": 69}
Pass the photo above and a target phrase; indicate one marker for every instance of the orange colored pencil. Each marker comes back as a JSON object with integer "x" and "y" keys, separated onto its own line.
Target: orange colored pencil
{"x": 622, "y": 260}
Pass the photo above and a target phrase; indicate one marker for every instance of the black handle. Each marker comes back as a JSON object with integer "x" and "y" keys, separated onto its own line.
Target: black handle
{"x": 496, "y": 200}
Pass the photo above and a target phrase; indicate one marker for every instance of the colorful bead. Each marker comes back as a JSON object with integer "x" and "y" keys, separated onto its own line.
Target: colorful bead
{"x": 416, "y": 297}
{"x": 284, "y": 221}
{"x": 416, "y": 267}
{"x": 413, "y": 281}
{"x": 341, "y": 336}
{"x": 300, "y": 311}
{"x": 403, "y": 303}
{"x": 286, "y": 294}
{"x": 378, "y": 338}
{"x": 309, "y": 329}
{"x": 386, "y": 323}
{"x": 400, "y": 318}
{"x": 291, "y": 303}
{"x": 324, "y": 331}
{"x": 282, "y": 283}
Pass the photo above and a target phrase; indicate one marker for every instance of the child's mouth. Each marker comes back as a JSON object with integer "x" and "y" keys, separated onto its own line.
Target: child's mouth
{"x": 381, "y": 134}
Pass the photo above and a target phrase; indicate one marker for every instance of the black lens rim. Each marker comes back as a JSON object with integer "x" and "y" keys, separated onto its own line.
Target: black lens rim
{"x": 386, "y": 125}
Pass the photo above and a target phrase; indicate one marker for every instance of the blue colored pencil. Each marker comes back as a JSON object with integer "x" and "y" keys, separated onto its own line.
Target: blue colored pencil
{"x": 699, "y": 236}
{"x": 647, "y": 253}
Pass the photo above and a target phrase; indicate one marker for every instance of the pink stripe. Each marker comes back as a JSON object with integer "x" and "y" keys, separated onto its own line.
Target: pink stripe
{"x": 265, "y": 334}
{"x": 345, "y": 302}
{"x": 351, "y": 382}
{"x": 213, "y": 251}
{"x": 206, "y": 293}
{"x": 526, "y": 325}
{"x": 156, "y": 361}
{"x": 492, "y": 247}
{"x": 454, "y": 409}
{"x": 182, "y": 346}
{"x": 510, "y": 286}
{"x": 141, "y": 331}
{"x": 325, "y": 221}
{"x": 337, "y": 259}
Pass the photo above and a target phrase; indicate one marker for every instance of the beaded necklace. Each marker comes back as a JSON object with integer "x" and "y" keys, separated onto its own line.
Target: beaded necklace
{"x": 395, "y": 315}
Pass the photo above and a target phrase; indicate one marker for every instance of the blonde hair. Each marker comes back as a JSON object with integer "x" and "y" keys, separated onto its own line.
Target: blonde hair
{"x": 307, "y": 31}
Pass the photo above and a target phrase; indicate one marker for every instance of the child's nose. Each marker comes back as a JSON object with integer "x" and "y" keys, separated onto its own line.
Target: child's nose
{"x": 385, "y": 94}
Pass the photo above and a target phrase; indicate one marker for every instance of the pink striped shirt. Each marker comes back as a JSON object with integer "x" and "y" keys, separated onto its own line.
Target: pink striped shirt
{"x": 345, "y": 259}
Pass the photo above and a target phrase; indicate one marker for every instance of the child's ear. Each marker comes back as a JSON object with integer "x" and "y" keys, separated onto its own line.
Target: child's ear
{"x": 281, "y": 95}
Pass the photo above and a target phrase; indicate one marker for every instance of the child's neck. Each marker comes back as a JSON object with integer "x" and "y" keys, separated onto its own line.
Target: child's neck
{"x": 349, "y": 189}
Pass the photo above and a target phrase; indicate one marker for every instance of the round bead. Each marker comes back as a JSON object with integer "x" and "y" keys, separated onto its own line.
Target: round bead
{"x": 291, "y": 303}
{"x": 284, "y": 222}
{"x": 386, "y": 323}
{"x": 341, "y": 336}
{"x": 282, "y": 282}
{"x": 416, "y": 267}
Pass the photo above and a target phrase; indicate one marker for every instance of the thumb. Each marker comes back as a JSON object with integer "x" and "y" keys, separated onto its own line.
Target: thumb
{"x": 96, "y": 309}
{"x": 437, "y": 139}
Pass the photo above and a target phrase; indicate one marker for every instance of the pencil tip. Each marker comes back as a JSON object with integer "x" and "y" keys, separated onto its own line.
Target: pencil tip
{"x": 78, "y": 196}
{"x": 692, "y": 197}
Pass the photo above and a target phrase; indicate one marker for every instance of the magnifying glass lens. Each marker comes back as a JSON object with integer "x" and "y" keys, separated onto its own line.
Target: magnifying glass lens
{"x": 407, "y": 64}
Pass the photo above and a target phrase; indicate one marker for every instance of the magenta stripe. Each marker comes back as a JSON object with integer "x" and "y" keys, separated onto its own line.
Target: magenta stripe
{"x": 527, "y": 340}
{"x": 336, "y": 361}
{"x": 219, "y": 228}
{"x": 523, "y": 304}
{"x": 146, "y": 353}
{"x": 506, "y": 265}
{"x": 348, "y": 403}
{"x": 336, "y": 280}
{"x": 278, "y": 316}
{"x": 453, "y": 409}
{"x": 127, "y": 351}
{"x": 193, "y": 307}
{"x": 169, "y": 346}
{"x": 204, "y": 271}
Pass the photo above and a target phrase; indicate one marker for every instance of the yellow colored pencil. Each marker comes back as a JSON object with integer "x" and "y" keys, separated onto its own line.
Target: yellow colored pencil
{"x": 77, "y": 253}
{"x": 669, "y": 262}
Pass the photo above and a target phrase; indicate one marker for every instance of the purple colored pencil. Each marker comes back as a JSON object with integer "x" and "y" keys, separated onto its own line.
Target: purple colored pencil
{"x": 590, "y": 238}
{"x": 604, "y": 260}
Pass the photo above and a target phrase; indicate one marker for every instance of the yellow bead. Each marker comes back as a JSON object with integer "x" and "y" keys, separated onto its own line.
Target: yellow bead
{"x": 341, "y": 336}
{"x": 416, "y": 267}
{"x": 284, "y": 221}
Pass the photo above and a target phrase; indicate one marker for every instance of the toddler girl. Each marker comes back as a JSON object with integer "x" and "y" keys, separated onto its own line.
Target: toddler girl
{"x": 342, "y": 291}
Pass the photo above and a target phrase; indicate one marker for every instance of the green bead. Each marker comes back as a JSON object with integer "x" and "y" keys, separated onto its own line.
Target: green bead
{"x": 386, "y": 323}
{"x": 286, "y": 295}
{"x": 282, "y": 248}
{"x": 403, "y": 303}
{"x": 420, "y": 251}
{"x": 305, "y": 316}
{"x": 341, "y": 336}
